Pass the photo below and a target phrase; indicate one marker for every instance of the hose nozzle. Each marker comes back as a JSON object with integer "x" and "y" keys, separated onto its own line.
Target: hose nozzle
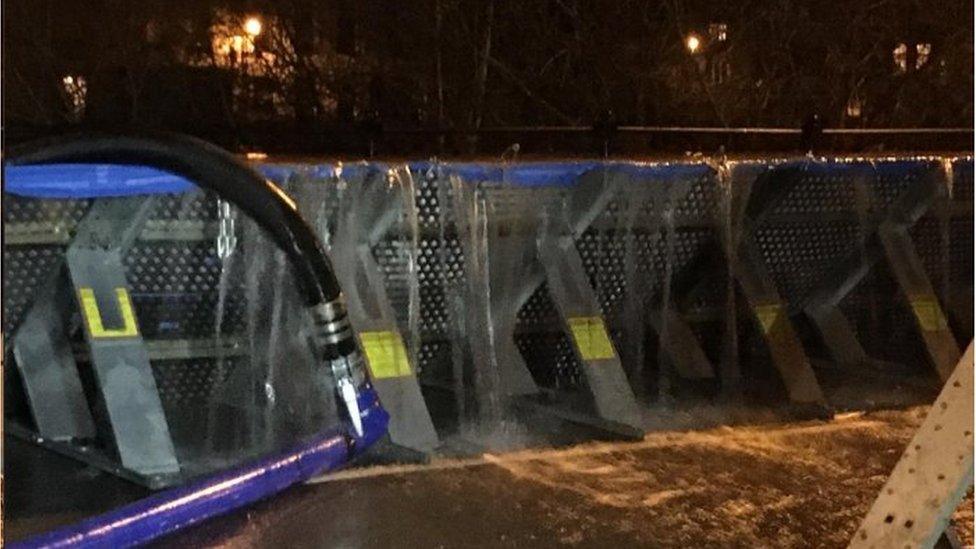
{"x": 336, "y": 345}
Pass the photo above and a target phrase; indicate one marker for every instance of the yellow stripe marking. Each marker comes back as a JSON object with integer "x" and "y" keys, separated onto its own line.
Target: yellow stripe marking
{"x": 929, "y": 314}
{"x": 767, "y": 315}
{"x": 591, "y": 338}
{"x": 385, "y": 354}
{"x": 93, "y": 318}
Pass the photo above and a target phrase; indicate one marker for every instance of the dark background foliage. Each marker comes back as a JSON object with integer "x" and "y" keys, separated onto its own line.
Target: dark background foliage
{"x": 361, "y": 68}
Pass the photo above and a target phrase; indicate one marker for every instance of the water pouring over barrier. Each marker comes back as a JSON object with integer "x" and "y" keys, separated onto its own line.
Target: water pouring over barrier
{"x": 607, "y": 294}
{"x": 713, "y": 281}
{"x": 134, "y": 375}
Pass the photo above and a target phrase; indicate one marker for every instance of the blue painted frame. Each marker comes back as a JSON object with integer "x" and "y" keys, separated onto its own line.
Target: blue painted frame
{"x": 171, "y": 510}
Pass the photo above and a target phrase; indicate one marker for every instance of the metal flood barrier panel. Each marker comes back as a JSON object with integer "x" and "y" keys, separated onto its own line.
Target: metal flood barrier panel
{"x": 600, "y": 293}
{"x": 186, "y": 349}
{"x": 603, "y": 292}
{"x": 171, "y": 319}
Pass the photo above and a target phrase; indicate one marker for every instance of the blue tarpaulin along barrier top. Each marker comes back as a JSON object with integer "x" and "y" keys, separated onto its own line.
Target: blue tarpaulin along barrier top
{"x": 90, "y": 181}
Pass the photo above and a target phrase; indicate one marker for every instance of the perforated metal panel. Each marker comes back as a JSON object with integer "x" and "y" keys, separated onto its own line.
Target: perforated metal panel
{"x": 625, "y": 260}
{"x": 25, "y": 271}
{"x": 27, "y": 268}
{"x": 192, "y": 382}
{"x": 702, "y": 203}
{"x": 800, "y": 257}
{"x": 961, "y": 225}
{"x": 928, "y": 234}
{"x": 175, "y": 289}
{"x": 550, "y": 358}
{"x": 962, "y": 185}
{"x": 430, "y": 191}
{"x": 608, "y": 255}
{"x": 202, "y": 317}
{"x": 194, "y": 206}
{"x": 63, "y": 214}
{"x": 821, "y": 193}
{"x": 627, "y": 251}
{"x": 888, "y": 185}
{"x": 538, "y": 312}
{"x": 882, "y": 317}
{"x": 820, "y": 221}
{"x": 943, "y": 239}
{"x": 438, "y": 268}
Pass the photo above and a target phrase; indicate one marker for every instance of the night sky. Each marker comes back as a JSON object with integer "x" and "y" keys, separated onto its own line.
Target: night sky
{"x": 361, "y": 67}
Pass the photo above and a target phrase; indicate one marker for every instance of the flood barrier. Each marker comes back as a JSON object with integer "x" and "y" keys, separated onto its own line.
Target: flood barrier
{"x": 119, "y": 355}
{"x": 606, "y": 292}
{"x": 599, "y": 293}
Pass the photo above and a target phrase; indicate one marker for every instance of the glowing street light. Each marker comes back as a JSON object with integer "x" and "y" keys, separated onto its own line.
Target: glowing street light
{"x": 693, "y": 43}
{"x": 252, "y": 26}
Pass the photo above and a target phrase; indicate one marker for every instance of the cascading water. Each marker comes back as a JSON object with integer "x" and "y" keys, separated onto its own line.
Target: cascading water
{"x": 729, "y": 370}
{"x": 635, "y": 290}
{"x": 451, "y": 283}
{"x": 400, "y": 182}
{"x": 226, "y": 246}
{"x": 639, "y": 279}
{"x": 487, "y": 301}
{"x": 665, "y": 396}
{"x": 252, "y": 409}
{"x": 946, "y": 203}
{"x": 485, "y": 359}
{"x": 267, "y": 384}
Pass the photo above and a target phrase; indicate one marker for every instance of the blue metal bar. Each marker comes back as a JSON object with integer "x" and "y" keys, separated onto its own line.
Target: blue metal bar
{"x": 90, "y": 181}
{"x": 177, "y": 508}
{"x": 105, "y": 180}
{"x": 526, "y": 174}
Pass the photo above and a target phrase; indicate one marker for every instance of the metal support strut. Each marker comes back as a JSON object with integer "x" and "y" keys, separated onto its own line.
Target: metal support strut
{"x": 932, "y": 475}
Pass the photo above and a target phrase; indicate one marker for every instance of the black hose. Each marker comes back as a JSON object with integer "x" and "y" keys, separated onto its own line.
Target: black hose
{"x": 210, "y": 168}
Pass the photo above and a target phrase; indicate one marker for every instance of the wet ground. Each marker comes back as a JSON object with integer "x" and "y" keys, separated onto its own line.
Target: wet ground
{"x": 790, "y": 485}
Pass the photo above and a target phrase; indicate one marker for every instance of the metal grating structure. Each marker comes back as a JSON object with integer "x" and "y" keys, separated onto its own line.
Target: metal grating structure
{"x": 214, "y": 327}
{"x": 598, "y": 285}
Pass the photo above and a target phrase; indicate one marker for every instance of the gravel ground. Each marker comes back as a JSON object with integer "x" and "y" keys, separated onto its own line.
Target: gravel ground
{"x": 789, "y": 485}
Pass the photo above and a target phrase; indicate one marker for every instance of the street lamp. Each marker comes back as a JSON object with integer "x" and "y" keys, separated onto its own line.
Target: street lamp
{"x": 693, "y": 43}
{"x": 252, "y": 26}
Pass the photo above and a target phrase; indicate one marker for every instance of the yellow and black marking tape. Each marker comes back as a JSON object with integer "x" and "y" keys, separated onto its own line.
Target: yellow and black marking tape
{"x": 93, "y": 317}
{"x": 929, "y": 314}
{"x": 385, "y": 354}
{"x": 591, "y": 338}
